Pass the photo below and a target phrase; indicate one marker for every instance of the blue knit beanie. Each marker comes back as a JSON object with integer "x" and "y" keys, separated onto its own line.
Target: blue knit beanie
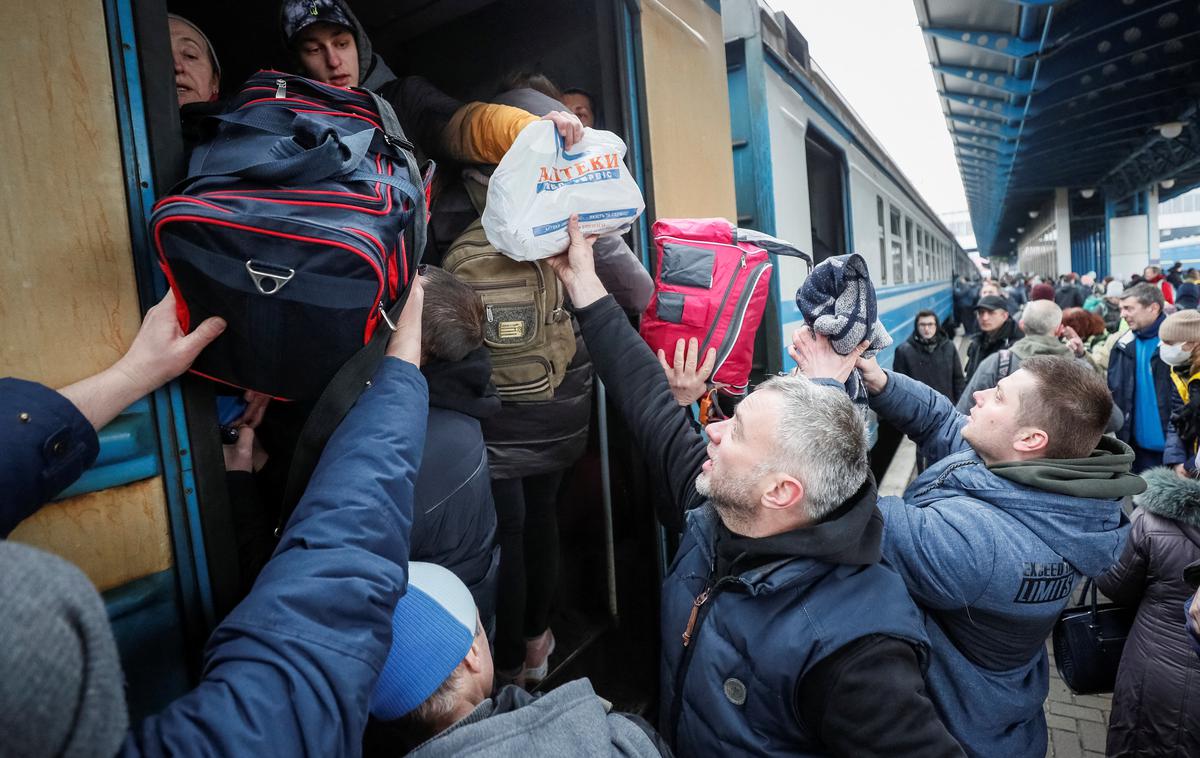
{"x": 433, "y": 627}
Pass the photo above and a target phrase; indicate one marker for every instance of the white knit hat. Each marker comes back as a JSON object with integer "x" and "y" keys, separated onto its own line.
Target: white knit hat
{"x": 1114, "y": 289}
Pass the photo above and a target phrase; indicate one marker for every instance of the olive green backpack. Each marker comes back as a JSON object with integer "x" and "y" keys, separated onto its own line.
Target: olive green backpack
{"x": 525, "y": 325}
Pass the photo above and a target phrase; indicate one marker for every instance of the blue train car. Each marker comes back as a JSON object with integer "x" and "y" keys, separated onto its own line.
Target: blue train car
{"x": 807, "y": 169}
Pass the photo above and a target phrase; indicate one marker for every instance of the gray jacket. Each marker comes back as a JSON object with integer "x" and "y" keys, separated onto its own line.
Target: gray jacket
{"x": 570, "y": 720}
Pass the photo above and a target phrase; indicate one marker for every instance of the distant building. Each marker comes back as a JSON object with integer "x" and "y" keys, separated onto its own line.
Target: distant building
{"x": 959, "y": 224}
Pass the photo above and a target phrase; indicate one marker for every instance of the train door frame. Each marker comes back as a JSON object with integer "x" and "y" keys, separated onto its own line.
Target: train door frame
{"x": 815, "y": 135}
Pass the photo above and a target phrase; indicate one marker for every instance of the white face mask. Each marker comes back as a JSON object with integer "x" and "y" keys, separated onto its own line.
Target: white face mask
{"x": 1174, "y": 355}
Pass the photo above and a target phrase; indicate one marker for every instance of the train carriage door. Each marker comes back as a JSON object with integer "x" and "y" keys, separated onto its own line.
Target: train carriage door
{"x": 687, "y": 109}
{"x": 826, "y": 195}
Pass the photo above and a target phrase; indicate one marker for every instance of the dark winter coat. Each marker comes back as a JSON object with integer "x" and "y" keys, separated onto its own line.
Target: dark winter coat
{"x": 806, "y": 644}
{"x": 1183, "y": 428}
{"x": 1122, "y": 381}
{"x": 984, "y": 344}
{"x": 1187, "y": 295}
{"x": 1068, "y": 295}
{"x": 1156, "y": 703}
{"x": 454, "y": 518}
{"x": 935, "y": 363}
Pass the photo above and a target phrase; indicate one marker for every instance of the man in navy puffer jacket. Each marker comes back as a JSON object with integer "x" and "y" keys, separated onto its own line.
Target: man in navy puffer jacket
{"x": 783, "y": 633}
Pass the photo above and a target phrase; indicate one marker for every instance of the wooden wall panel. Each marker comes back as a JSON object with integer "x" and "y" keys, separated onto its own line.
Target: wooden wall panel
{"x": 68, "y": 303}
{"x": 115, "y": 536}
{"x": 687, "y": 106}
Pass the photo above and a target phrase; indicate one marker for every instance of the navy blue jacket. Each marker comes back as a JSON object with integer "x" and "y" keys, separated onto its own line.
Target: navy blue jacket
{"x": 771, "y": 668}
{"x": 291, "y": 670}
{"x": 45, "y": 445}
{"x": 454, "y": 517}
{"x": 1122, "y": 380}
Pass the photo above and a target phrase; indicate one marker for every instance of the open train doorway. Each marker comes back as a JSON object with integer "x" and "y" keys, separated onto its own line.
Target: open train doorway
{"x": 826, "y": 196}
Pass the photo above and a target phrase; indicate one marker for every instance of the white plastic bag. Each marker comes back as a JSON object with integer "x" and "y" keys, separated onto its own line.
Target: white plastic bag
{"x": 538, "y": 185}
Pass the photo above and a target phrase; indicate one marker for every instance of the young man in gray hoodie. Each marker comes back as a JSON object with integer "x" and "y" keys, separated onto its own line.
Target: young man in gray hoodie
{"x": 1024, "y": 498}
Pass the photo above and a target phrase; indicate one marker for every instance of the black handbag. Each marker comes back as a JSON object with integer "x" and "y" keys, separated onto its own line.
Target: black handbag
{"x": 1088, "y": 640}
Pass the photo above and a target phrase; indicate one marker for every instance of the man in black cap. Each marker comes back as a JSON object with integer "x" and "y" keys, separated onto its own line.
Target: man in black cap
{"x": 331, "y": 46}
{"x": 997, "y": 331}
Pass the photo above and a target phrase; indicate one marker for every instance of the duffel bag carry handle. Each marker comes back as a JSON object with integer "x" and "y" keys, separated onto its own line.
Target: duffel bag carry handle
{"x": 351, "y": 379}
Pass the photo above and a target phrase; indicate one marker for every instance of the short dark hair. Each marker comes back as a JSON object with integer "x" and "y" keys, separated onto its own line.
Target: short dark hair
{"x": 1146, "y": 294}
{"x": 1072, "y": 404}
{"x": 534, "y": 81}
{"x": 452, "y": 319}
{"x": 925, "y": 313}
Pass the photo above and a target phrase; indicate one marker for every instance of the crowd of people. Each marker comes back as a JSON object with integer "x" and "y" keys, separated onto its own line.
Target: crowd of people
{"x": 404, "y": 606}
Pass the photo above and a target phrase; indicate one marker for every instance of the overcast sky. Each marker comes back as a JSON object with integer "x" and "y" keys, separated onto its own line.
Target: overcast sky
{"x": 874, "y": 53}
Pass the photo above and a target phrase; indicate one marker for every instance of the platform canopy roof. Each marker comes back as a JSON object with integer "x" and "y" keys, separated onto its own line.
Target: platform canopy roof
{"x": 1098, "y": 96}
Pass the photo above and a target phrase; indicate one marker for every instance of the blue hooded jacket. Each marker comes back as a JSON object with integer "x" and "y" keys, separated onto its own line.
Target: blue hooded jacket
{"x": 991, "y": 554}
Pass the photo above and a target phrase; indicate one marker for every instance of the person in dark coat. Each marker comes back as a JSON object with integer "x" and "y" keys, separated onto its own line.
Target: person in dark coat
{"x": 1156, "y": 702}
{"x": 930, "y": 357}
{"x": 1187, "y": 292}
{"x": 965, "y": 296}
{"x": 531, "y": 446}
{"x": 454, "y": 518}
{"x": 782, "y": 632}
{"x": 998, "y": 331}
{"x": 1068, "y": 293}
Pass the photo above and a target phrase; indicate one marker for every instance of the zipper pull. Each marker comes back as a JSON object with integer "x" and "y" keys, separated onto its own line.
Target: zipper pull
{"x": 280, "y": 89}
{"x": 490, "y": 316}
{"x": 700, "y": 600}
{"x": 743, "y": 260}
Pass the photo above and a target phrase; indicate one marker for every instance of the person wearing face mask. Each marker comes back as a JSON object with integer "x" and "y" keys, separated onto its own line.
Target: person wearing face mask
{"x": 1179, "y": 348}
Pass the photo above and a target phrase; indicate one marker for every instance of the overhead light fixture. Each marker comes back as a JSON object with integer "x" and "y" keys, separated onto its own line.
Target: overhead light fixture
{"x": 1171, "y": 129}
{"x": 1033, "y": 214}
{"x": 1012, "y": 239}
{"x": 1087, "y": 193}
{"x": 1020, "y": 230}
{"x": 1167, "y": 183}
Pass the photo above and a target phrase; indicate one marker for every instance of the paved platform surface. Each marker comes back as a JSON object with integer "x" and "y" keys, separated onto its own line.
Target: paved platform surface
{"x": 1077, "y": 724}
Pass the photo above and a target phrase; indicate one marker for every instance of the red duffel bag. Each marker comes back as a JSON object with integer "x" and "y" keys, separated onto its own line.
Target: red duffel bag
{"x": 711, "y": 282}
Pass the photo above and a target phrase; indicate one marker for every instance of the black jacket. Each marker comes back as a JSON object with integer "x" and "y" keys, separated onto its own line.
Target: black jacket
{"x": 454, "y": 518}
{"x": 1068, "y": 296}
{"x": 870, "y": 691}
{"x": 936, "y": 364}
{"x": 984, "y": 344}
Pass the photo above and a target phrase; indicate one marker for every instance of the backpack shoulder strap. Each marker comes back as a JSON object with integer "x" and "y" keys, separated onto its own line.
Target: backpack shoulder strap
{"x": 1004, "y": 368}
{"x": 348, "y": 383}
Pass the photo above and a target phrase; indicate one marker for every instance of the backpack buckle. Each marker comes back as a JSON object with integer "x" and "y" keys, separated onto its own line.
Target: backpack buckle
{"x": 267, "y": 282}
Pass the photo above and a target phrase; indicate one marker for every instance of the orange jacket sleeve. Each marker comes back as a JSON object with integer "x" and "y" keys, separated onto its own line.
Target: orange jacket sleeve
{"x": 482, "y": 133}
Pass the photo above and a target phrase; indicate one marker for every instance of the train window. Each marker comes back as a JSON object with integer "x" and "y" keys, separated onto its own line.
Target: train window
{"x": 909, "y": 253}
{"x": 883, "y": 261}
{"x": 897, "y": 248}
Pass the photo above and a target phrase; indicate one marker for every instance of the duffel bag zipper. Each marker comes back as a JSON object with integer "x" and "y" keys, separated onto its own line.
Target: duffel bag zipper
{"x": 739, "y": 315}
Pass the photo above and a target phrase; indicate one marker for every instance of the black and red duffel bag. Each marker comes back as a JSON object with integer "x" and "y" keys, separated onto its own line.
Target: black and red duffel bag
{"x": 292, "y": 227}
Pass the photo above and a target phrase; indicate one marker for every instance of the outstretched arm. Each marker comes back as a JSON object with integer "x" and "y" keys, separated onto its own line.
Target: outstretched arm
{"x": 635, "y": 381}
{"x": 49, "y": 438}
{"x": 291, "y": 670}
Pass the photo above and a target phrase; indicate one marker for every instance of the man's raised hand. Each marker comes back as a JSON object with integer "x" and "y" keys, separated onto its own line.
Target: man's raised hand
{"x": 816, "y": 358}
{"x": 576, "y": 267}
{"x": 688, "y": 381}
